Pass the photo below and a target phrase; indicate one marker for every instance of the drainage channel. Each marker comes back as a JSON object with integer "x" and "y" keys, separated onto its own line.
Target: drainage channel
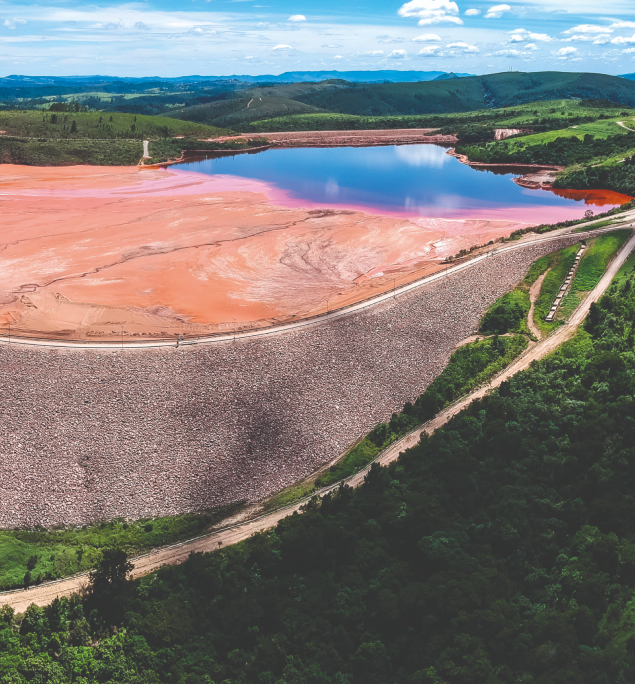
{"x": 565, "y": 286}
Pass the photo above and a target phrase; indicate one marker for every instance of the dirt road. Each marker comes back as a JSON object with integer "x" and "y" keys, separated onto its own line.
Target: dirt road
{"x": 46, "y": 593}
{"x": 534, "y": 291}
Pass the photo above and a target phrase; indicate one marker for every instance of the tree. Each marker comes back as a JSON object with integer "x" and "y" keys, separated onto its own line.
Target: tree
{"x": 74, "y": 126}
{"x": 54, "y": 118}
{"x": 109, "y": 585}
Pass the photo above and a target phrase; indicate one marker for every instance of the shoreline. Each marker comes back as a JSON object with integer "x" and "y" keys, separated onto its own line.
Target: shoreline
{"x": 531, "y": 181}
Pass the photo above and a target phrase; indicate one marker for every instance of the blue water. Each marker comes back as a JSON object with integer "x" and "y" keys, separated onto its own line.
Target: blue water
{"x": 413, "y": 179}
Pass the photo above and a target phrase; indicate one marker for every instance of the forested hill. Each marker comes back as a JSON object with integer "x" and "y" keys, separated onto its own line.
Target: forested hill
{"x": 499, "y": 550}
{"x": 447, "y": 95}
{"x": 475, "y": 92}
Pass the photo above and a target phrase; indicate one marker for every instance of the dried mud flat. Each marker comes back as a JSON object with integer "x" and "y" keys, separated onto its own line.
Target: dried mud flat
{"x": 99, "y": 253}
{"x": 88, "y": 435}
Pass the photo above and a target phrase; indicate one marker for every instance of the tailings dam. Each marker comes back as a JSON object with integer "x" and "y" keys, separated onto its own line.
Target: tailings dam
{"x": 87, "y": 435}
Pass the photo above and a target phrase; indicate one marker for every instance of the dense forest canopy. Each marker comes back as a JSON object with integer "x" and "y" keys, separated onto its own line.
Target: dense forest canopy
{"x": 500, "y": 549}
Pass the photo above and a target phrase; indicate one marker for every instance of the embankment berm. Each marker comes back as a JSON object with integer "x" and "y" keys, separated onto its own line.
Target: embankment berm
{"x": 87, "y": 435}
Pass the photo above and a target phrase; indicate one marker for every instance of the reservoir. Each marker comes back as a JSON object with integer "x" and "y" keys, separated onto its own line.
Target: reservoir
{"x": 408, "y": 180}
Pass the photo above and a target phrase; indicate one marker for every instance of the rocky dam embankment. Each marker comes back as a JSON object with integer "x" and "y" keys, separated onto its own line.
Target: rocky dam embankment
{"x": 88, "y": 435}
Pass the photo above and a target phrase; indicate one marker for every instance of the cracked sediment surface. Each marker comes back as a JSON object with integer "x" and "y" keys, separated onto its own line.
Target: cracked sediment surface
{"x": 94, "y": 252}
{"x": 88, "y": 435}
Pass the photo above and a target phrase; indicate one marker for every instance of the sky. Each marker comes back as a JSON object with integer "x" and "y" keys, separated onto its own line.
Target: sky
{"x": 224, "y": 37}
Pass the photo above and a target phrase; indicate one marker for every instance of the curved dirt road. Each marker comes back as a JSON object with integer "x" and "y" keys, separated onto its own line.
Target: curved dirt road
{"x": 46, "y": 593}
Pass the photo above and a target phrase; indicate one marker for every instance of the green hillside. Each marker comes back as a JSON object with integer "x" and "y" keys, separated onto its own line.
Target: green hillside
{"x": 258, "y": 103}
{"x": 98, "y": 125}
{"x": 467, "y": 94}
{"x": 49, "y": 138}
{"x": 408, "y": 99}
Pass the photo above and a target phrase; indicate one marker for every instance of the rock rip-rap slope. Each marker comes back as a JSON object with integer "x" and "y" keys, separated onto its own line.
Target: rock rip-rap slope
{"x": 87, "y": 435}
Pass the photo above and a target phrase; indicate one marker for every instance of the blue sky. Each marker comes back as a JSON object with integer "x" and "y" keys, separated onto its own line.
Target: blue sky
{"x": 221, "y": 37}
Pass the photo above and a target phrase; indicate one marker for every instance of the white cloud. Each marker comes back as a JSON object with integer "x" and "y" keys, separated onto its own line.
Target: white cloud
{"x": 472, "y": 12}
{"x": 531, "y": 46}
{"x": 622, "y": 24}
{"x": 262, "y": 24}
{"x": 628, "y": 50}
{"x": 332, "y": 46}
{"x": 497, "y": 11}
{"x": 427, "y": 38}
{"x": 338, "y": 57}
{"x": 430, "y": 50}
{"x": 297, "y": 17}
{"x": 431, "y": 11}
{"x": 462, "y": 47}
{"x": 521, "y": 35}
{"x": 588, "y": 28}
{"x": 565, "y": 52}
{"x": 588, "y": 38}
{"x": 282, "y": 47}
{"x": 398, "y": 54}
{"x": 12, "y": 23}
{"x": 621, "y": 40}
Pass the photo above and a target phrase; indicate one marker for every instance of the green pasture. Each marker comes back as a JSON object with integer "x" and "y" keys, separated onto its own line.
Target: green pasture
{"x": 599, "y": 129}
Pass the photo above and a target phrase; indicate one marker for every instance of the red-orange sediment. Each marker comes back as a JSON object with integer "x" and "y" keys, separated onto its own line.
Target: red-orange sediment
{"x": 97, "y": 252}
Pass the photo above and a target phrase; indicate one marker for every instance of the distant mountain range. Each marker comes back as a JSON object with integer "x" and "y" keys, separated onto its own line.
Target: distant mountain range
{"x": 630, "y": 77}
{"x": 381, "y": 76}
{"x": 352, "y": 76}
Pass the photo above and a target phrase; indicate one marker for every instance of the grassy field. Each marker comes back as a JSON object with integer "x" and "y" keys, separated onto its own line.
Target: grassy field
{"x": 51, "y": 554}
{"x": 98, "y": 125}
{"x": 592, "y": 266}
{"x": 37, "y": 138}
{"x": 70, "y": 152}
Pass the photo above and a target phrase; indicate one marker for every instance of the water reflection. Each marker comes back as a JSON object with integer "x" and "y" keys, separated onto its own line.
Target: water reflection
{"x": 419, "y": 179}
{"x": 432, "y": 156}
